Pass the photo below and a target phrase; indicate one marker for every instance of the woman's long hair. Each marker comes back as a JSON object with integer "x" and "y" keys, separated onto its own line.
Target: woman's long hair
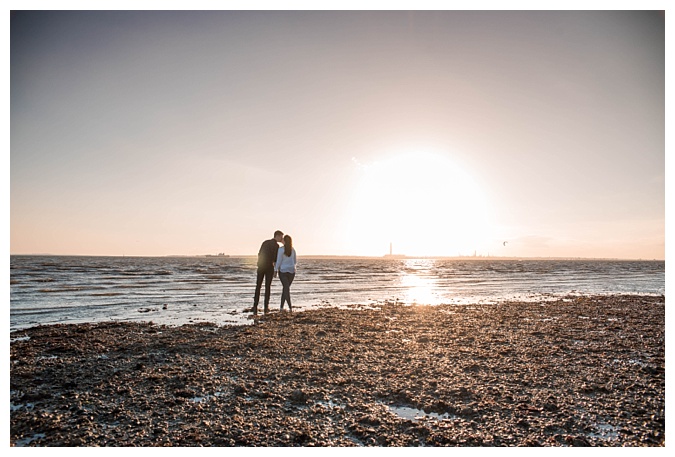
{"x": 288, "y": 245}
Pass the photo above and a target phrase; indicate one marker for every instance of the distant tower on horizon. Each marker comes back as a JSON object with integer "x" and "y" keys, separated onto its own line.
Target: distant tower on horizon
{"x": 391, "y": 254}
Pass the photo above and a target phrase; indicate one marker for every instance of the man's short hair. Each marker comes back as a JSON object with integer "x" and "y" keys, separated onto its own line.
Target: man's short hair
{"x": 278, "y": 233}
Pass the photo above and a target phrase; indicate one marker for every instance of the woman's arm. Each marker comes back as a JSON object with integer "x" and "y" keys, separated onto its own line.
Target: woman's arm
{"x": 280, "y": 253}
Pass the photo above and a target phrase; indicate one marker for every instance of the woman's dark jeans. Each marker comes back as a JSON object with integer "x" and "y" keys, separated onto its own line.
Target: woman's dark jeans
{"x": 286, "y": 281}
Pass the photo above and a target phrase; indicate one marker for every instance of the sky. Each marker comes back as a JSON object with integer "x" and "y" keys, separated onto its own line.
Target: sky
{"x": 438, "y": 133}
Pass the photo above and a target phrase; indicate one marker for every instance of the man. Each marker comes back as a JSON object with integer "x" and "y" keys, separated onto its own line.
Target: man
{"x": 267, "y": 256}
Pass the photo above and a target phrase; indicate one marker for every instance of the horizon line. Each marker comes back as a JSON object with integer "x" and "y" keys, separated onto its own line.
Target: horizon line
{"x": 354, "y": 256}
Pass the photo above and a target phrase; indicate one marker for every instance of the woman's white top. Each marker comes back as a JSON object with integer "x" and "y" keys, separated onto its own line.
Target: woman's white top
{"x": 284, "y": 263}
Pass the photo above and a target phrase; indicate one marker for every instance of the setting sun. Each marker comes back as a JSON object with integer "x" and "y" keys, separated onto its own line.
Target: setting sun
{"x": 422, "y": 203}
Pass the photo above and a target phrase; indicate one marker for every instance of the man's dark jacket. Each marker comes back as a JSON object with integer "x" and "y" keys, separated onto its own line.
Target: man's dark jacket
{"x": 268, "y": 254}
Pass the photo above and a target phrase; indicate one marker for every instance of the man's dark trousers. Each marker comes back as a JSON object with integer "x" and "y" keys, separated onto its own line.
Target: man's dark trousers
{"x": 268, "y": 274}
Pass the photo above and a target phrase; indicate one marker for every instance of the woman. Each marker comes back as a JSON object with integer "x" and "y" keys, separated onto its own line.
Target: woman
{"x": 285, "y": 265}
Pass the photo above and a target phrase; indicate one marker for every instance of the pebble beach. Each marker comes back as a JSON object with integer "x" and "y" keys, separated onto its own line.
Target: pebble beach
{"x": 576, "y": 371}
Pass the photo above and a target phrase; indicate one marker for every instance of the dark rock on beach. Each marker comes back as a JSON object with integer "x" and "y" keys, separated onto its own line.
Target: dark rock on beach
{"x": 573, "y": 372}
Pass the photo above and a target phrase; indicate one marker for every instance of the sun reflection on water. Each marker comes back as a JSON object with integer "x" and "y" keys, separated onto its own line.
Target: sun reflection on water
{"x": 418, "y": 282}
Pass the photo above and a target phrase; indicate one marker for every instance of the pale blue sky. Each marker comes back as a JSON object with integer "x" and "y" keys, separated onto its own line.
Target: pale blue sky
{"x": 197, "y": 132}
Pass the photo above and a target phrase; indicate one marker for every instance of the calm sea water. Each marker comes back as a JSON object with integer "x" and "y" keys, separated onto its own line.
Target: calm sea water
{"x": 178, "y": 290}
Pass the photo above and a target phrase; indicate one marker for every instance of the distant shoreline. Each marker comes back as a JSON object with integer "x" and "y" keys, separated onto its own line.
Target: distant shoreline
{"x": 351, "y": 257}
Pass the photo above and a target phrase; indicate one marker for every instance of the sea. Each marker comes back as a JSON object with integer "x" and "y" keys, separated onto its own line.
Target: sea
{"x": 219, "y": 289}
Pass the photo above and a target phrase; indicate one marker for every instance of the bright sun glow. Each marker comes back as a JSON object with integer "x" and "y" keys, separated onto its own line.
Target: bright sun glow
{"x": 422, "y": 203}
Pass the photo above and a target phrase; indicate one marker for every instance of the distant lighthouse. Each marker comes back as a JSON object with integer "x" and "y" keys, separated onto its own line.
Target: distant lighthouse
{"x": 391, "y": 254}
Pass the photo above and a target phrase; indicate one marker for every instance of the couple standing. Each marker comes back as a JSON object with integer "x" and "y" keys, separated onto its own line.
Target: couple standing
{"x": 273, "y": 259}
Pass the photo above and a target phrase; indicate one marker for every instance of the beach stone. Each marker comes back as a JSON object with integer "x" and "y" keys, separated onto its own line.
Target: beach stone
{"x": 299, "y": 396}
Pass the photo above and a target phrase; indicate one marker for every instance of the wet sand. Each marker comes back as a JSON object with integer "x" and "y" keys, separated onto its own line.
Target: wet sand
{"x": 575, "y": 372}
